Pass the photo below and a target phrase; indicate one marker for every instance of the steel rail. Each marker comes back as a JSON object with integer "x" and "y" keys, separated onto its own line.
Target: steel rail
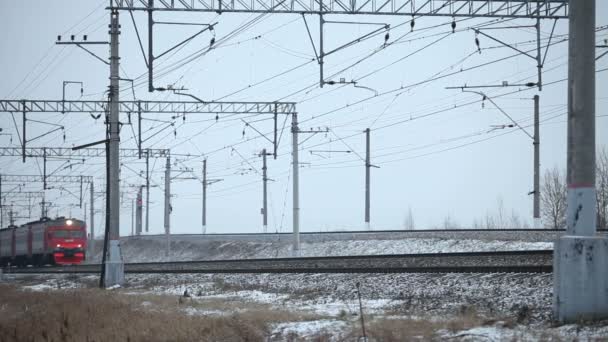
{"x": 366, "y": 232}
{"x": 469, "y": 262}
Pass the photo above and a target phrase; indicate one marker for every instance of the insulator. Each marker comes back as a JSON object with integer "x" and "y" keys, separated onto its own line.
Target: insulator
{"x": 184, "y": 118}
{"x": 175, "y": 133}
{"x": 72, "y": 37}
{"x": 412, "y": 24}
{"x": 243, "y": 132}
{"x": 386, "y": 37}
{"x": 212, "y": 41}
{"x": 84, "y": 37}
{"x": 453, "y": 26}
{"x": 58, "y": 38}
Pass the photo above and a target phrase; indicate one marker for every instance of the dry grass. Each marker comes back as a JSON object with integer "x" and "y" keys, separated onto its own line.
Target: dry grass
{"x": 409, "y": 329}
{"x": 98, "y": 315}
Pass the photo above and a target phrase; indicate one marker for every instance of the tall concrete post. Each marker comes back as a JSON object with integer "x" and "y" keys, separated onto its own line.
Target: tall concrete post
{"x": 205, "y": 196}
{"x": 1, "y": 205}
{"x": 168, "y": 208}
{"x": 580, "y": 261}
{"x": 138, "y": 211}
{"x": 147, "y": 190}
{"x": 296, "y": 185}
{"x": 11, "y": 219}
{"x": 114, "y": 266}
{"x": 536, "y": 143}
{"x": 265, "y": 196}
{"x": 92, "y": 219}
{"x": 132, "y": 217}
{"x": 367, "y": 180}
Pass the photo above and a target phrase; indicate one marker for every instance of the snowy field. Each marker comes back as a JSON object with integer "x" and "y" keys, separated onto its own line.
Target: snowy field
{"x": 325, "y": 307}
{"x": 460, "y": 307}
{"x": 154, "y": 250}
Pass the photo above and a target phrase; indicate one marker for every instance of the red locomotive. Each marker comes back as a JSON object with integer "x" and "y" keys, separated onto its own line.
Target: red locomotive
{"x": 58, "y": 241}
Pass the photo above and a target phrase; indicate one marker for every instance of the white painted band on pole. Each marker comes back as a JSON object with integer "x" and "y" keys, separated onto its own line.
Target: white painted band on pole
{"x": 580, "y": 221}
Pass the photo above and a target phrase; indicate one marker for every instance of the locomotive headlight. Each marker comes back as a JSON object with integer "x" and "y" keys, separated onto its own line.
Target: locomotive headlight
{"x": 79, "y": 246}
{"x": 69, "y": 222}
{"x": 58, "y": 245}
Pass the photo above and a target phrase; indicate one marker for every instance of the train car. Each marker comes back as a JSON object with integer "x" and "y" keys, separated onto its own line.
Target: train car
{"x": 60, "y": 241}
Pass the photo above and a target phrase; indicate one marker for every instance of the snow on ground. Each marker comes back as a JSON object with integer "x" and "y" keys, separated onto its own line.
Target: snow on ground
{"x": 154, "y": 250}
{"x": 40, "y": 284}
{"x": 525, "y": 295}
{"x": 505, "y": 307}
{"x": 309, "y": 329}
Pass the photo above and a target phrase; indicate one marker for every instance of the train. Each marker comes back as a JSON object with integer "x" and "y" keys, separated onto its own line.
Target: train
{"x": 59, "y": 241}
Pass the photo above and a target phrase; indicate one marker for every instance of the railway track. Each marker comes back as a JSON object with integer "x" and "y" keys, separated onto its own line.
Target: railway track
{"x": 469, "y": 262}
{"x": 216, "y": 236}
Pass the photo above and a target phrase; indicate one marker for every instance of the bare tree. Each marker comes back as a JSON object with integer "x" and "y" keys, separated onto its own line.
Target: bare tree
{"x": 501, "y": 216}
{"x": 409, "y": 224}
{"x": 449, "y": 222}
{"x": 553, "y": 198}
{"x": 601, "y": 187}
{"x": 478, "y": 224}
{"x": 515, "y": 221}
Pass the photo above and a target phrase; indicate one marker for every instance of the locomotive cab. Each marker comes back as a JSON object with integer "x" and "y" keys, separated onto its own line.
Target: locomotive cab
{"x": 68, "y": 242}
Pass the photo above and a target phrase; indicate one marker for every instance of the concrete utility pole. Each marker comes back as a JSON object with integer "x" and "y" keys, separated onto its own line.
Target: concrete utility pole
{"x": 265, "y": 196}
{"x": 536, "y": 162}
{"x": 1, "y": 205}
{"x": 147, "y": 190}
{"x": 114, "y": 266}
{"x": 296, "y": 185}
{"x": 138, "y": 211}
{"x": 11, "y": 219}
{"x": 168, "y": 208}
{"x": 206, "y": 182}
{"x": 367, "y": 166}
{"x": 581, "y": 257}
{"x": 204, "y": 195}
{"x": 92, "y": 219}
{"x": 132, "y": 217}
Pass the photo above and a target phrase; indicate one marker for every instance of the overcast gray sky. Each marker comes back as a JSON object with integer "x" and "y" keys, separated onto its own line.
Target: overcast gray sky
{"x": 437, "y": 155}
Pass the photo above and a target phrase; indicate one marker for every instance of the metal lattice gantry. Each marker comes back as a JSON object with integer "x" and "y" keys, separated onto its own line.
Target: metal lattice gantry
{"x": 49, "y": 152}
{"x": 448, "y": 8}
{"x": 40, "y": 179}
{"x": 149, "y": 107}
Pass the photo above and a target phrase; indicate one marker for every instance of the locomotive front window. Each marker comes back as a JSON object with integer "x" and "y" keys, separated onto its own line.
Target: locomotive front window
{"x": 65, "y": 234}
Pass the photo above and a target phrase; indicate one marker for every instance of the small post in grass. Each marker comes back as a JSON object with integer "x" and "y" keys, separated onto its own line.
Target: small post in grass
{"x": 361, "y": 312}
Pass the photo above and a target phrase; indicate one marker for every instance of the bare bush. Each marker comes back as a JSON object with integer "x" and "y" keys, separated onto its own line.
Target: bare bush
{"x": 553, "y": 199}
{"x": 500, "y": 219}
